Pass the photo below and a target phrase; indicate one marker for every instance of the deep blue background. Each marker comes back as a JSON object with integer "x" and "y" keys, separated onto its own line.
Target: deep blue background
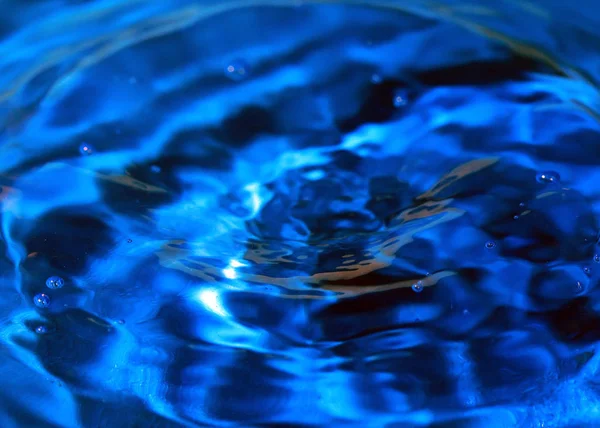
{"x": 351, "y": 228}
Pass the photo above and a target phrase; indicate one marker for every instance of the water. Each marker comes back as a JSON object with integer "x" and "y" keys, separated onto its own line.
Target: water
{"x": 295, "y": 213}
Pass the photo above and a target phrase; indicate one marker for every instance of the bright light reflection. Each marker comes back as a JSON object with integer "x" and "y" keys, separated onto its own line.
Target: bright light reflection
{"x": 236, "y": 263}
{"x": 229, "y": 273}
{"x": 253, "y": 189}
{"x": 212, "y": 301}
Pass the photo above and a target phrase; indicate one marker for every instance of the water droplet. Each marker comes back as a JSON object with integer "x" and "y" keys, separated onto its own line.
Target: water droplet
{"x": 376, "y": 79}
{"x": 41, "y": 300}
{"x": 490, "y": 244}
{"x": 41, "y": 329}
{"x": 237, "y": 70}
{"x": 418, "y": 287}
{"x": 400, "y": 99}
{"x": 155, "y": 169}
{"x": 597, "y": 258}
{"x": 548, "y": 177}
{"x": 579, "y": 287}
{"x": 55, "y": 282}
{"x": 587, "y": 270}
{"x": 86, "y": 149}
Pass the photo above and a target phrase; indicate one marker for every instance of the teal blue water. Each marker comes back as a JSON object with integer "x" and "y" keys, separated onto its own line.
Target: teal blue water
{"x": 299, "y": 214}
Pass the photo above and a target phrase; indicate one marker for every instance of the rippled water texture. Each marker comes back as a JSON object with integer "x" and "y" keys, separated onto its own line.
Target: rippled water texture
{"x": 285, "y": 213}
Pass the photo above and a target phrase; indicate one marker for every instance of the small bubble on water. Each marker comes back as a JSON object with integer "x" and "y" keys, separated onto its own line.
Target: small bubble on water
{"x": 55, "y": 282}
{"x": 522, "y": 204}
{"x": 41, "y": 329}
{"x": 86, "y": 149}
{"x": 400, "y": 99}
{"x": 490, "y": 244}
{"x": 587, "y": 270}
{"x": 418, "y": 287}
{"x": 41, "y": 300}
{"x": 237, "y": 70}
{"x": 597, "y": 258}
{"x": 547, "y": 177}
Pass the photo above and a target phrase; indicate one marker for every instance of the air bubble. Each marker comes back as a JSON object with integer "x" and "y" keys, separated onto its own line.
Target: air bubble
{"x": 490, "y": 244}
{"x": 597, "y": 258}
{"x": 579, "y": 287}
{"x": 587, "y": 270}
{"x": 376, "y": 79}
{"x": 155, "y": 169}
{"x": 418, "y": 287}
{"x": 41, "y": 329}
{"x": 41, "y": 300}
{"x": 55, "y": 282}
{"x": 547, "y": 177}
{"x": 86, "y": 149}
{"x": 237, "y": 70}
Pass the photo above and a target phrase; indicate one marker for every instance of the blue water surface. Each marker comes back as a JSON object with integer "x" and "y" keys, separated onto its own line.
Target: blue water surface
{"x": 289, "y": 213}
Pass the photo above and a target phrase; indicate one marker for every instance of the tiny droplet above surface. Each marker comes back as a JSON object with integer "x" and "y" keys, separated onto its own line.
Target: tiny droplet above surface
{"x": 237, "y": 70}
{"x": 547, "y": 177}
{"x": 418, "y": 287}
{"x": 55, "y": 282}
{"x": 86, "y": 149}
{"x": 400, "y": 99}
{"x": 41, "y": 300}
